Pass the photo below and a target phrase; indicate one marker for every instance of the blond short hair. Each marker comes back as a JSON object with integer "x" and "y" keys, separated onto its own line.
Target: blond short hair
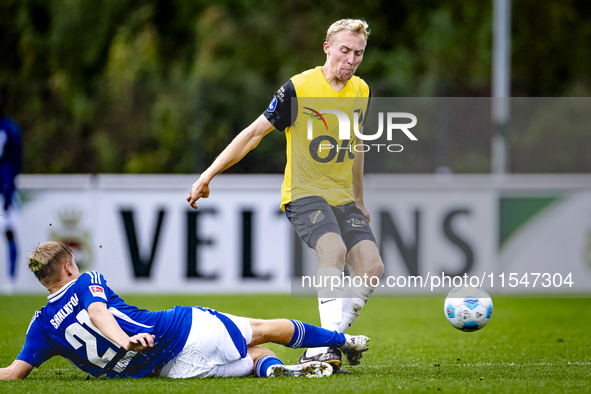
{"x": 45, "y": 261}
{"x": 357, "y": 27}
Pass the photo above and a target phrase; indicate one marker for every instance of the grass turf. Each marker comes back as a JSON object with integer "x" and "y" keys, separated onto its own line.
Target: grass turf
{"x": 530, "y": 345}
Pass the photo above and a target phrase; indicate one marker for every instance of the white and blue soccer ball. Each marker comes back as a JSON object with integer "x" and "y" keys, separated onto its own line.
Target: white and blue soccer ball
{"x": 468, "y": 308}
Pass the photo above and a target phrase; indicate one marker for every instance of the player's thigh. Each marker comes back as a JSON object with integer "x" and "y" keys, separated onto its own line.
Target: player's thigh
{"x": 331, "y": 250}
{"x": 312, "y": 217}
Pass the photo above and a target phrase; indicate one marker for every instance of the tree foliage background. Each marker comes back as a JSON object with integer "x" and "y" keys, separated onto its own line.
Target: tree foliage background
{"x": 150, "y": 86}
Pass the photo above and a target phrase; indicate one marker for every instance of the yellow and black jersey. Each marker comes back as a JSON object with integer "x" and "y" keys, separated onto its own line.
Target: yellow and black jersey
{"x": 319, "y": 162}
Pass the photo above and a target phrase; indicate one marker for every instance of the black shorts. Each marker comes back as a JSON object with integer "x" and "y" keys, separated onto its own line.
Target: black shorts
{"x": 312, "y": 217}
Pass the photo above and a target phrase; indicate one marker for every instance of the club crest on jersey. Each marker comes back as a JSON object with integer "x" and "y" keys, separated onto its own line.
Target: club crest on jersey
{"x": 98, "y": 291}
{"x": 273, "y": 105}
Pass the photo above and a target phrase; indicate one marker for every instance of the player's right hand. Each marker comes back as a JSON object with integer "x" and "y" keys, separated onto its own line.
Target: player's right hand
{"x": 199, "y": 190}
{"x": 141, "y": 341}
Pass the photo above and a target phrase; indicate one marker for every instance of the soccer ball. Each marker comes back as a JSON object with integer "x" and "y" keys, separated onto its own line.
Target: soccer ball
{"x": 468, "y": 308}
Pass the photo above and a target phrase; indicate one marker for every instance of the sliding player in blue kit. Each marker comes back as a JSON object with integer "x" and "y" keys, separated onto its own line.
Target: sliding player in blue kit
{"x": 91, "y": 326}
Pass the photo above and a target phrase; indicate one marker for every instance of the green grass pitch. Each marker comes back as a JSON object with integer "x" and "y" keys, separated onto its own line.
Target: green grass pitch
{"x": 530, "y": 345}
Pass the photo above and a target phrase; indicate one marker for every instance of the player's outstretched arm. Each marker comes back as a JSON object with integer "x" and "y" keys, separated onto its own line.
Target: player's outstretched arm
{"x": 102, "y": 319}
{"x": 19, "y": 369}
{"x": 244, "y": 142}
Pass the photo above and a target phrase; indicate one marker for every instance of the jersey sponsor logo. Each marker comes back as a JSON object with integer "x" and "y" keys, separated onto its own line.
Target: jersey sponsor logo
{"x": 322, "y": 144}
{"x": 316, "y": 217}
{"x": 61, "y": 315}
{"x": 97, "y": 291}
{"x": 324, "y": 149}
{"x": 273, "y": 105}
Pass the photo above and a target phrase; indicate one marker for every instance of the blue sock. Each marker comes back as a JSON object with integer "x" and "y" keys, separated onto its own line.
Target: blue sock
{"x": 307, "y": 335}
{"x": 12, "y": 247}
{"x": 264, "y": 363}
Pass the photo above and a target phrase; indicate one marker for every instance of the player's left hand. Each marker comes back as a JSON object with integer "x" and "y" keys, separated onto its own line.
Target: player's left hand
{"x": 365, "y": 212}
{"x": 141, "y": 341}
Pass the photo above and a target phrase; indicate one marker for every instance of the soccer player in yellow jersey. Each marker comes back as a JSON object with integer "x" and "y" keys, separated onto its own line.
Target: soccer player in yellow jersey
{"x": 322, "y": 193}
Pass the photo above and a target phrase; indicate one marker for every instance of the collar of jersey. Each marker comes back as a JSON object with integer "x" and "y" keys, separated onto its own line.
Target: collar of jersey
{"x": 60, "y": 293}
{"x": 341, "y": 92}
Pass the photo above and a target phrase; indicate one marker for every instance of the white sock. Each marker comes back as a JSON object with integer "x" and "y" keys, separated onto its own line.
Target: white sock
{"x": 330, "y": 302}
{"x": 330, "y": 298}
{"x": 355, "y": 299}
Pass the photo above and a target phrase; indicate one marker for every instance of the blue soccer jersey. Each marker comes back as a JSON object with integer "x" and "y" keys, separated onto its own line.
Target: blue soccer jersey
{"x": 63, "y": 328}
